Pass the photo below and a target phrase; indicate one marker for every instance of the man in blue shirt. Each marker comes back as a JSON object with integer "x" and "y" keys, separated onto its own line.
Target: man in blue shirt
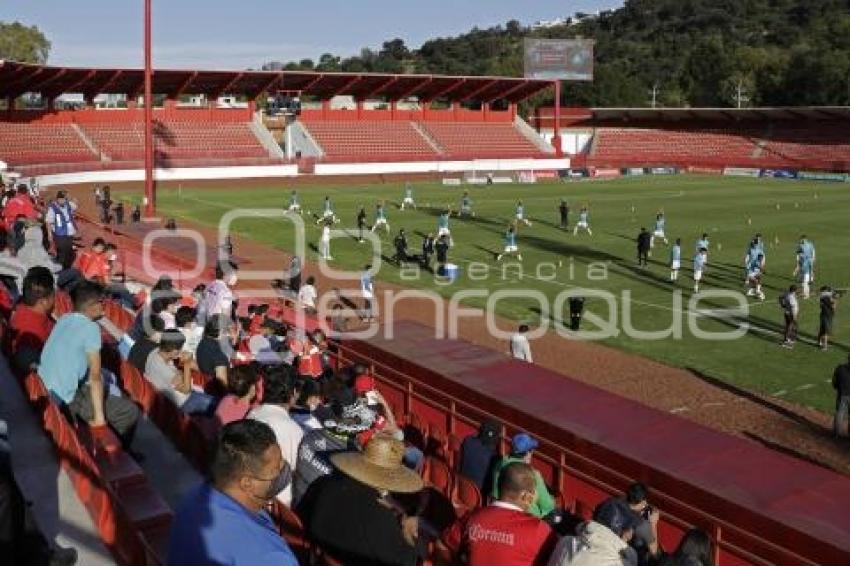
{"x": 224, "y": 521}
{"x": 71, "y": 367}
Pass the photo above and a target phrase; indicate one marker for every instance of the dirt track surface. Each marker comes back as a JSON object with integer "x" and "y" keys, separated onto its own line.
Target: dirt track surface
{"x": 783, "y": 426}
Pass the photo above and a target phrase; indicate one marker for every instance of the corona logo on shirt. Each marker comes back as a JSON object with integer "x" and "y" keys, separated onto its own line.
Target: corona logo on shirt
{"x": 478, "y": 533}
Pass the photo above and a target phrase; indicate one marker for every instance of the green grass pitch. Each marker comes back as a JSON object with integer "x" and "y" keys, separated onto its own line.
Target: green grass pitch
{"x": 730, "y": 210}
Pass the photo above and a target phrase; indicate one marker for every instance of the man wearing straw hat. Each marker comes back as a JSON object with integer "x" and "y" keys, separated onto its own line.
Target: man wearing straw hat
{"x": 350, "y": 513}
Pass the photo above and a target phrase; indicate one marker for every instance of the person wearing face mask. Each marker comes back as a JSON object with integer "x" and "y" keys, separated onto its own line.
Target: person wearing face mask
{"x": 279, "y": 395}
{"x": 504, "y": 532}
{"x": 224, "y": 521}
{"x": 71, "y": 367}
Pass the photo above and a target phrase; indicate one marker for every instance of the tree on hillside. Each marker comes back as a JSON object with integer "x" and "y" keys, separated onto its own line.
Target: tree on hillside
{"x": 697, "y": 52}
{"x": 21, "y": 43}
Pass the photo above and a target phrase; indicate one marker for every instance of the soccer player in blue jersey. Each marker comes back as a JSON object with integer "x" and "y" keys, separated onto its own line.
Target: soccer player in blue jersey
{"x": 805, "y": 269}
{"x": 755, "y": 269}
{"x": 510, "y": 244}
{"x": 408, "y": 197}
{"x": 466, "y": 206}
{"x": 328, "y": 215}
{"x": 700, "y": 261}
{"x": 381, "y": 218}
{"x": 660, "y": 222}
{"x": 805, "y": 265}
{"x": 675, "y": 259}
{"x": 583, "y": 222}
{"x": 702, "y": 243}
{"x": 293, "y": 203}
{"x": 520, "y": 214}
{"x": 443, "y": 226}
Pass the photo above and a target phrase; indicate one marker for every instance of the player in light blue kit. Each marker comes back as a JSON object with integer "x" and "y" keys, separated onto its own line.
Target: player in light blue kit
{"x": 660, "y": 222}
{"x": 583, "y": 222}
{"x": 466, "y": 206}
{"x": 443, "y": 226}
{"x": 328, "y": 215}
{"x": 293, "y": 203}
{"x": 520, "y": 214}
{"x": 702, "y": 243}
{"x": 755, "y": 270}
{"x": 805, "y": 269}
{"x": 675, "y": 259}
{"x": 381, "y": 218}
{"x": 408, "y": 197}
{"x": 700, "y": 261}
{"x": 510, "y": 244}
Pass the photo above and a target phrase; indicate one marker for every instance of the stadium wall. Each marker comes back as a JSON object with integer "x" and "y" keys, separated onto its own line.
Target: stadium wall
{"x": 175, "y": 174}
{"x": 479, "y": 165}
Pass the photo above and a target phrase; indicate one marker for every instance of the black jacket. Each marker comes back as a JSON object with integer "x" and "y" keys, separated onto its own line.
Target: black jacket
{"x": 343, "y": 516}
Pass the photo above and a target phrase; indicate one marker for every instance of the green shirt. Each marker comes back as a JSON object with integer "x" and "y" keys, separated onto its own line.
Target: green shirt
{"x": 543, "y": 505}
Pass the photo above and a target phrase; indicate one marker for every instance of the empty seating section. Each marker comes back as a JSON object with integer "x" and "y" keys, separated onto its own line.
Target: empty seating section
{"x": 827, "y": 145}
{"x": 651, "y": 146}
{"x": 177, "y": 140}
{"x": 23, "y": 143}
{"x": 482, "y": 140}
{"x": 362, "y": 140}
{"x": 404, "y": 140}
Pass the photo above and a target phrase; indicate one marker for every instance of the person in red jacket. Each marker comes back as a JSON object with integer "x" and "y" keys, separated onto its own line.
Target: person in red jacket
{"x": 31, "y": 323}
{"x": 18, "y": 210}
{"x": 504, "y": 532}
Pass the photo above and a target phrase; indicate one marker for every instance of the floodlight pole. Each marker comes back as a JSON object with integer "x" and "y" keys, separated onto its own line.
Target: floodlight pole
{"x": 556, "y": 135}
{"x": 150, "y": 197}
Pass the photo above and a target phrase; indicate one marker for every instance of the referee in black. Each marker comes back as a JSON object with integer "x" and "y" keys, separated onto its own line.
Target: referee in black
{"x": 644, "y": 242}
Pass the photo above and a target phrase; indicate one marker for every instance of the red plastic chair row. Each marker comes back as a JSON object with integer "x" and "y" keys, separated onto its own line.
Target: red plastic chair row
{"x": 131, "y": 517}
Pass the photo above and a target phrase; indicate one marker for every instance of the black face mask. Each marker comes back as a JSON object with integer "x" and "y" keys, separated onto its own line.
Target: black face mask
{"x": 278, "y": 484}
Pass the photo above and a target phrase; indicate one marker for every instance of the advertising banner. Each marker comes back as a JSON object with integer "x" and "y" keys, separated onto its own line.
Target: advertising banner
{"x": 664, "y": 171}
{"x": 559, "y": 59}
{"x": 779, "y": 173}
{"x": 742, "y": 172}
{"x": 818, "y": 176}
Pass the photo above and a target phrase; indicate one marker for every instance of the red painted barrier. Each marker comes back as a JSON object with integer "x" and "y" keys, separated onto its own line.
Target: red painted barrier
{"x": 760, "y": 507}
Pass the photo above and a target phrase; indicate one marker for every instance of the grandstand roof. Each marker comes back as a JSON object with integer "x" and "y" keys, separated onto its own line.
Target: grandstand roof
{"x": 19, "y": 78}
{"x": 722, "y": 114}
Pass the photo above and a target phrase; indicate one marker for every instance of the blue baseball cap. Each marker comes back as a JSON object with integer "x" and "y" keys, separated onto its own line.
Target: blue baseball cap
{"x": 523, "y": 443}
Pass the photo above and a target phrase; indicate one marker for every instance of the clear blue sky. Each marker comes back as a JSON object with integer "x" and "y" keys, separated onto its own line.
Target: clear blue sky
{"x": 239, "y": 34}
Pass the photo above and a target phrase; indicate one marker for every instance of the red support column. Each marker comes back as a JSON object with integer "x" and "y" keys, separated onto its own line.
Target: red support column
{"x": 150, "y": 202}
{"x": 326, "y": 108}
{"x": 485, "y": 111}
{"x": 556, "y": 136}
{"x": 512, "y": 110}
{"x": 393, "y": 108}
{"x": 359, "y": 104}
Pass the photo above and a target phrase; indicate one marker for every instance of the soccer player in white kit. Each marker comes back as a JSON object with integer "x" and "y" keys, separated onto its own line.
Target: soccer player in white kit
{"x": 408, "y": 201}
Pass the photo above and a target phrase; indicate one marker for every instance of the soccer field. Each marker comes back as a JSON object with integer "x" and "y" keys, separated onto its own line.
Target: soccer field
{"x": 730, "y": 210}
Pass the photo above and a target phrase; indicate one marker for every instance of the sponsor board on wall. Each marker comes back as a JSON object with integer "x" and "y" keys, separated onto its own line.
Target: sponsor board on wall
{"x": 664, "y": 171}
{"x": 702, "y": 170}
{"x": 633, "y": 171}
{"x": 605, "y": 172}
{"x": 779, "y": 173}
{"x": 819, "y": 176}
{"x": 741, "y": 172}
